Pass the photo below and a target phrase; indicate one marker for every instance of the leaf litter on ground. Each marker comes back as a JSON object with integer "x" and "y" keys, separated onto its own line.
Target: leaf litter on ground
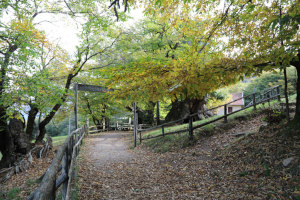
{"x": 217, "y": 167}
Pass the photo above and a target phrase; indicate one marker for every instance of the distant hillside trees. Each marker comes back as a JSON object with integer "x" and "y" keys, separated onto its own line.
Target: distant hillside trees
{"x": 270, "y": 79}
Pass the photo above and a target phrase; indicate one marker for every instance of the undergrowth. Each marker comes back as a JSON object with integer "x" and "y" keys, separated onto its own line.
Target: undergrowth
{"x": 11, "y": 194}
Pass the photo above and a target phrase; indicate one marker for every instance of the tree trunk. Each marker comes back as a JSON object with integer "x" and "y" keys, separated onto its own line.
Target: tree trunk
{"x": 286, "y": 95}
{"x": 182, "y": 109}
{"x": 98, "y": 123}
{"x": 6, "y": 142}
{"x": 31, "y": 120}
{"x": 296, "y": 63}
{"x": 179, "y": 110}
{"x": 107, "y": 121}
{"x": 147, "y": 116}
{"x": 14, "y": 143}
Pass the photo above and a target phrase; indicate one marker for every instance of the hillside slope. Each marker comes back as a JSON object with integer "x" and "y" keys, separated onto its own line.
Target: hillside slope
{"x": 261, "y": 165}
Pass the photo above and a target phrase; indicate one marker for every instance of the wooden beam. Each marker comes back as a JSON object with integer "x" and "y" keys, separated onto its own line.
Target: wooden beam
{"x": 93, "y": 88}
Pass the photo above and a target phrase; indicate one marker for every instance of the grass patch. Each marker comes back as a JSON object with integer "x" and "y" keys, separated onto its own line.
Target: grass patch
{"x": 166, "y": 143}
{"x": 11, "y": 194}
{"x": 58, "y": 140}
{"x": 177, "y": 127}
{"x": 292, "y": 98}
{"x": 30, "y": 182}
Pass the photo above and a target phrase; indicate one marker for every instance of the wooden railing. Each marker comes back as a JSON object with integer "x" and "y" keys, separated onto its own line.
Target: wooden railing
{"x": 257, "y": 98}
{"x": 63, "y": 162}
{"x": 97, "y": 129}
{"x": 115, "y": 126}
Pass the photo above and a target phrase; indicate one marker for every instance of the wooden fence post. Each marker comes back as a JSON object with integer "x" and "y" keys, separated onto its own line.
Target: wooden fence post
{"x": 163, "y": 131}
{"x": 278, "y": 93}
{"x": 65, "y": 167}
{"x": 269, "y": 96}
{"x": 76, "y": 105}
{"x": 191, "y": 127}
{"x": 76, "y": 148}
{"x": 140, "y": 137}
{"x": 225, "y": 113}
{"x": 254, "y": 101}
{"x": 157, "y": 114}
{"x": 286, "y": 95}
{"x": 87, "y": 126}
{"x": 81, "y": 134}
{"x": 134, "y": 123}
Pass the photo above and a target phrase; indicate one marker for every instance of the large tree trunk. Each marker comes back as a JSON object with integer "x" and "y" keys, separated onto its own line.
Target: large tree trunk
{"x": 14, "y": 143}
{"x": 182, "y": 109}
{"x": 296, "y": 63}
{"x": 98, "y": 123}
{"x": 147, "y": 116}
{"x": 31, "y": 120}
{"x": 179, "y": 110}
{"x": 6, "y": 142}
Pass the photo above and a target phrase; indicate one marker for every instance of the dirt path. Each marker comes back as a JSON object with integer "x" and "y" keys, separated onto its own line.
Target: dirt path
{"x": 109, "y": 148}
{"x": 109, "y": 170}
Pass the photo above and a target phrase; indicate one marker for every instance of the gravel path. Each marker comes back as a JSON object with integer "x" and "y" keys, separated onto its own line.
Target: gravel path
{"x": 109, "y": 148}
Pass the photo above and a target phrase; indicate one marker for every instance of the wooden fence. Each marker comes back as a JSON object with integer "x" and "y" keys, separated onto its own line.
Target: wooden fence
{"x": 64, "y": 163}
{"x": 116, "y": 127}
{"x": 257, "y": 98}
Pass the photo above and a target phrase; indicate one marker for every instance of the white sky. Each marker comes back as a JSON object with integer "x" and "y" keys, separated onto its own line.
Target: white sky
{"x": 62, "y": 29}
{"x": 59, "y": 29}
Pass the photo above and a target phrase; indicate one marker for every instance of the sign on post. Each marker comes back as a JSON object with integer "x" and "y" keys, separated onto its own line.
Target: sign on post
{"x": 88, "y": 88}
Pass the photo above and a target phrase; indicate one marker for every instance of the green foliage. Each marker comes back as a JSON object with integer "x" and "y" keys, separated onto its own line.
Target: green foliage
{"x": 270, "y": 79}
{"x": 163, "y": 61}
{"x": 58, "y": 140}
{"x": 30, "y": 182}
{"x": 267, "y": 171}
{"x": 55, "y": 128}
{"x": 11, "y": 194}
{"x": 244, "y": 173}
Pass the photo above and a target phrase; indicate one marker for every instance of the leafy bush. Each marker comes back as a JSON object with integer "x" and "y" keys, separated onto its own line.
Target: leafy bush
{"x": 270, "y": 79}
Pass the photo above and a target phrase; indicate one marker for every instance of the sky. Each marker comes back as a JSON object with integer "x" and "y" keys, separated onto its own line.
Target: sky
{"x": 63, "y": 30}
{"x": 60, "y": 29}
